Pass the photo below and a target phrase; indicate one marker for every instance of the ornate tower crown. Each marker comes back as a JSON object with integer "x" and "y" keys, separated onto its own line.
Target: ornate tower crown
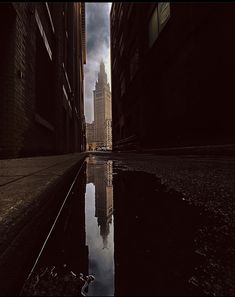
{"x": 102, "y": 76}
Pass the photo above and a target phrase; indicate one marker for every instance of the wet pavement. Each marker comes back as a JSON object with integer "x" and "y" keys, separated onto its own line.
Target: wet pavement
{"x": 136, "y": 236}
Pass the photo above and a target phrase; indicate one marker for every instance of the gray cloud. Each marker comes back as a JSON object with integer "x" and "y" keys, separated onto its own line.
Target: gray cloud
{"x": 98, "y": 38}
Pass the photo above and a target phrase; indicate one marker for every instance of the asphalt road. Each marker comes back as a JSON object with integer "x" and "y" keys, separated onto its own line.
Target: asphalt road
{"x": 206, "y": 182}
{"x": 202, "y": 180}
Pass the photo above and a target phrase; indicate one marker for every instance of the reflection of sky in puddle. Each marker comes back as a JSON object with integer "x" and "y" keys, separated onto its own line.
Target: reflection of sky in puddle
{"x": 101, "y": 259}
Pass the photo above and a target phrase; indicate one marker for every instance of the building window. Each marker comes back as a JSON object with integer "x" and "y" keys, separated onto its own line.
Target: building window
{"x": 44, "y": 82}
{"x": 121, "y": 49}
{"x": 43, "y": 34}
{"x": 158, "y": 20}
{"x": 114, "y": 43}
{"x": 163, "y": 14}
{"x": 49, "y": 8}
{"x": 114, "y": 63}
{"x": 129, "y": 10}
{"x": 121, "y": 46}
{"x": 134, "y": 64}
{"x": 153, "y": 27}
{"x": 123, "y": 85}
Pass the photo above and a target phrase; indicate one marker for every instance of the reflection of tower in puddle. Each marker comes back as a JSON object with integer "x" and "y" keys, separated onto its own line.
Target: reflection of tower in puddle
{"x": 101, "y": 176}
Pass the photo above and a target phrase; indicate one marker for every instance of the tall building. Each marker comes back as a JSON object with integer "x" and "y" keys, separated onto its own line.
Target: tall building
{"x": 41, "y": 78}
{"x": 102, "y": 110}
{"x": 172, "y": 74}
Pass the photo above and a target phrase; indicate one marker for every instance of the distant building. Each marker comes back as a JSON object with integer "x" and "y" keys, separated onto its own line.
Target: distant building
{"x": 102, "y": 110}
{"x": 90, "y": 136}
{"x": 172, "y": 70}
{"x": 41, "y": 78}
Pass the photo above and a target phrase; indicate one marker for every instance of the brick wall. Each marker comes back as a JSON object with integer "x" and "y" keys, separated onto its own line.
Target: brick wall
{"x": 35, "y": 116}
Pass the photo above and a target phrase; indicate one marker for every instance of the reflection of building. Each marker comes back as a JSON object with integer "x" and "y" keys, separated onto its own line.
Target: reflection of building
{"x": 41, "y": 78}
{"x": 171, "y": 79}
{"x": 102, "y": 110}
{"x": 101, "y": 176}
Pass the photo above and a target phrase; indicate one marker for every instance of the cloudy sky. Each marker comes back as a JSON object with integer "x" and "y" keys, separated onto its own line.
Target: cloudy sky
{"x": 98, "y": 47}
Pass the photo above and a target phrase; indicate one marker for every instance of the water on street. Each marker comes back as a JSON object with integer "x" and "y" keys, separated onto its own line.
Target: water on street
{"x": 99, "y": 226}
{"x": 133, "y": 234}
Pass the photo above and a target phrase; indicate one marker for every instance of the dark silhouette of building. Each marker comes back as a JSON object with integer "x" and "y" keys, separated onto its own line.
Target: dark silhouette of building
{"x": 41, "y": 78}
{"x": 172, "y": 74}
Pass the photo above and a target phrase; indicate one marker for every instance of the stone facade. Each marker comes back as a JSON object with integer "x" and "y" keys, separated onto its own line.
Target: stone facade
{"x": 41, "y": 80}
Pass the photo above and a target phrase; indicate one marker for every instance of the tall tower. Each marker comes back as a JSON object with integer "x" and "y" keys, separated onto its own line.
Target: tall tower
{"x": 102, "y": 110}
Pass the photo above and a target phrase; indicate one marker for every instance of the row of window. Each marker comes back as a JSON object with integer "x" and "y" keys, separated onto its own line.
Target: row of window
{"x": 158, "y": 20}
{"x": 129, "y": 75}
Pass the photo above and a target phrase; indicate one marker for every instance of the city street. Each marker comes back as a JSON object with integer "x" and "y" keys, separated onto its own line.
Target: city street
{"x": 117, "y": 149}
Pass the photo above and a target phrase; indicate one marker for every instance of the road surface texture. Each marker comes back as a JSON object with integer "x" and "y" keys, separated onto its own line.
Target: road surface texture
{"x": 208, "y": 183}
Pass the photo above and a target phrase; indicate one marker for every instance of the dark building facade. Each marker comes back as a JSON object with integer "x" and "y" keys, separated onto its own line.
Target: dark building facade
{"x": 172, "y": 74}
{"x": 41, "y": 78}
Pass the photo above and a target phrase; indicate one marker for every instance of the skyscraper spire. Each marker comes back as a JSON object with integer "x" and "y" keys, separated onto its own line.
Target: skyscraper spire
{"x": 102, "y": 76}
{"x": 102, "y": 66}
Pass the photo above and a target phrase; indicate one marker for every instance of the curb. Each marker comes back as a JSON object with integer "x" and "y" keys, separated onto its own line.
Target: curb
{"x": 30, "y": 231}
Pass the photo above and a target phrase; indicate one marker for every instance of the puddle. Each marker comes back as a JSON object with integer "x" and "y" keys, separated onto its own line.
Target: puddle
{"x": 82, "y": 241}
{"x": 133, "y": 234}
{"x": 154, "y": 238}
{"x": 99, "y": 226}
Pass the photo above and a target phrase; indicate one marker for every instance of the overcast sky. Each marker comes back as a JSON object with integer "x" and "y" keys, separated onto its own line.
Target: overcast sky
{"x": 98, "y": 47}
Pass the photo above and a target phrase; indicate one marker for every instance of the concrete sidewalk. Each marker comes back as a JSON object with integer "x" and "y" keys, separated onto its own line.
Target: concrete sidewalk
{"x": 31, "y": 190}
